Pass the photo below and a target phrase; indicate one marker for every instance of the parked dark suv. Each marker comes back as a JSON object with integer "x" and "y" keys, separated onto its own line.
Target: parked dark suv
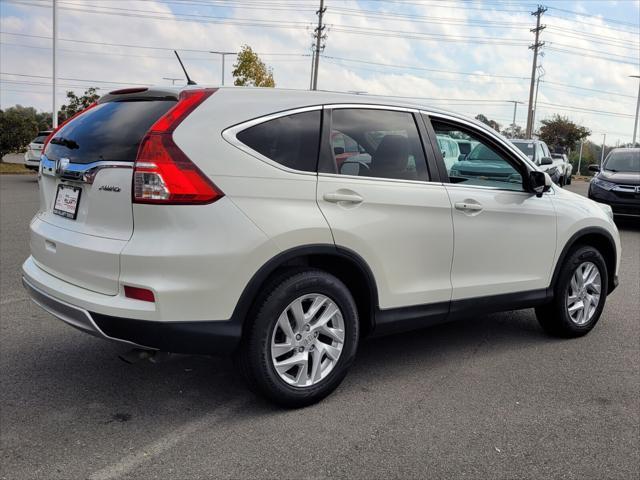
{"x": 617, "y": 183}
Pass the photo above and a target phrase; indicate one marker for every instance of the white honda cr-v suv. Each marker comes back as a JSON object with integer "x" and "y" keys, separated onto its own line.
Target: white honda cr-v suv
{"x": 285, "y": 226}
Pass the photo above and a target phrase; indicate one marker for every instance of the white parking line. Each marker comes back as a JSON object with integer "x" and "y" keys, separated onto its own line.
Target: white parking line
{"x": 148, "y": 452}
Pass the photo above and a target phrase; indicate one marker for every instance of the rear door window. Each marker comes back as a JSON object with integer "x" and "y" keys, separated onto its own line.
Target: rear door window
{"x": 292, "y": 141}
{"x": 110, "y": 131}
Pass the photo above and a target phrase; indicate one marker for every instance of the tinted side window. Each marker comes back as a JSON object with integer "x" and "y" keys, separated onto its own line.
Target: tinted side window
{"x": 482, "y": 166}
{"x": 292, "y": 141}
{"x": 388, "y": 144}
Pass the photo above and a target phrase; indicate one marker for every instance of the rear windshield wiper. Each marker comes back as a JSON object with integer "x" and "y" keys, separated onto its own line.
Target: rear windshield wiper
{"x": 611, "y": 170}
{"x": 66, "y": 142}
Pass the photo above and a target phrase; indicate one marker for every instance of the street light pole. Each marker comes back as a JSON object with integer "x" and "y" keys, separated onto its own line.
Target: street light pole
{"x": 541, "y": 73}
{"x": 604, "y": 140}
{"x": 513, "y": 124}
{"x": 173, "y": 80}
{"x": 54, "y": 110}
{"x": 580, "y": 156}
{"x": 635, "y": 120}
{"x": 222, "y": 55}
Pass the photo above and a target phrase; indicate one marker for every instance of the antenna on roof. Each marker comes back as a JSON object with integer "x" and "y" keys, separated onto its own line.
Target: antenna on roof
{"x": 189, "y": 81}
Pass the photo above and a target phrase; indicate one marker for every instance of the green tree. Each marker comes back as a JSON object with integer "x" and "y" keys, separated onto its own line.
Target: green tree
{"x": 513, "y": 131}
{"x": 18, "y": 126}
{"x": 492, "y": 123}
{"x": 76, "y": 104}
{"x": 250, "y": 71}
{"x": 560, "y": 133}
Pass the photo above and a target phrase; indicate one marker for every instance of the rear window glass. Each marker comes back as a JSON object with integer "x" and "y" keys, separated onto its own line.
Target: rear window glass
{"x": 40, "y": 139}
{"x": 292, "y": 141}
{"x": 108, "y": 132}
{"x": 527, "y": 148}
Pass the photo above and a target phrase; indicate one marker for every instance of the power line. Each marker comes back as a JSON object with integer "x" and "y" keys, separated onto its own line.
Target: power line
{"x": 589, "y": 24}
{"x": 147, "y": 47}
{"x": 585, "y": 110}
{"x": 117, "y": 54}
{"x": 117, "y": 11}
{"x": 587, "y": 89}
{"x": 581, "y": 14}
{"x": 409, "y": 67}
{"x": 582, "y": 53}
{"x": 74, "y": 79}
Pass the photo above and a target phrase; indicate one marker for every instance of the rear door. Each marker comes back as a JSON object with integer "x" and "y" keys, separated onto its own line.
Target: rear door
{"x": 382, "y": 205}
{"x": 85, "y": 215}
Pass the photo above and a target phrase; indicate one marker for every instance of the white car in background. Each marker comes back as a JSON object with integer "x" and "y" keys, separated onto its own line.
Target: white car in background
{"x": 568, "y": 167}
{"x": 34, "y": 150}
{"x": 217, "y": 220}
{"x": 449, "y": 149}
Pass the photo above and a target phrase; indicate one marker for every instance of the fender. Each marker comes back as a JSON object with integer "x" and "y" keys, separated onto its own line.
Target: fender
{"x": 252, "y": 288}
{"x": 575, "y": 239}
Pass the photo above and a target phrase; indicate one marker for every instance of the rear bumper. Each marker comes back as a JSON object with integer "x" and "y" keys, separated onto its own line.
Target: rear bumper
{"x": 31, "y": 162}
{"x": 191, "y": 337}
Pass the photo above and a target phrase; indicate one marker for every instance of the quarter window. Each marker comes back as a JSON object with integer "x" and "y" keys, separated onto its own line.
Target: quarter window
{"x": 377, "y": 143}
{"x": 292, "y": 141}
{"x": 482, "y": 166}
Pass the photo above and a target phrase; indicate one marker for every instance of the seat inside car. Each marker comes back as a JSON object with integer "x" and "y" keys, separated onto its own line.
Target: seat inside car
{"x": 391, "y": 157}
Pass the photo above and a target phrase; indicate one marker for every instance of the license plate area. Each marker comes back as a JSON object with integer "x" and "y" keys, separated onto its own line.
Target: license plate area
{"x": 67, "y": 201}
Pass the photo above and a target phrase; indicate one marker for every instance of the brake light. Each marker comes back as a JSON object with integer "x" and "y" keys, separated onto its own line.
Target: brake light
{"x": 138, "y": 293}
{"x": 56, "y": 130}
{"x": 124, "y": 91}
{"x": 163, "y": 174}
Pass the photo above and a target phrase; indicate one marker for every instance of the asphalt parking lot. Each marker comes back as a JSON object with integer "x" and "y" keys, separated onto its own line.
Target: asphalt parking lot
{"x": 489, "y": 397}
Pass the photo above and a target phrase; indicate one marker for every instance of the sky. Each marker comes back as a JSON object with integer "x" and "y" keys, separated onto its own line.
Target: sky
{"x": 469, "y": 56}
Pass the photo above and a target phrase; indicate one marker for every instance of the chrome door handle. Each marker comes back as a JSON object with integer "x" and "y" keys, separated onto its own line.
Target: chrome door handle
{"x": 342, "y": 197}
{"x": 468, "y": 207}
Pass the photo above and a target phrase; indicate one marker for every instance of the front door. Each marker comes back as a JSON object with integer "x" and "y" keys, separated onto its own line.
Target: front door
{"x": 505, "y": 237}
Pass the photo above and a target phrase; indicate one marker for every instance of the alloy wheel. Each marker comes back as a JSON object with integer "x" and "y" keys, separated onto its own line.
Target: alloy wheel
{"x": 307, "y": 340}
{"x": 584, "y": 293}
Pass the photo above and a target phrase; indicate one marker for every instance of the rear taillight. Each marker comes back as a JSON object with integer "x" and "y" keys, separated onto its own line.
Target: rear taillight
{"x": 163, "y": 173}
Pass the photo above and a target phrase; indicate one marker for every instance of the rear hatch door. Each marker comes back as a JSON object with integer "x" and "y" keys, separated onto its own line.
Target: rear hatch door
{"x": 86, "y": 214}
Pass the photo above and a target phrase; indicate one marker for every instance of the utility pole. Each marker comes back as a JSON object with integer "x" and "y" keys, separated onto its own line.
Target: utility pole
{"x": 223, "y": 54}
{"x": 513, "y": 124}
{"x": 537, "y": 44}
{"x": 635, "y": 120}
{"x": 318, "y": 48}
{"x": 604, "y": 140}
{"x": 173, "y": 80}
{"x": 54, "y": 110}
{"x": 313, "y": 61}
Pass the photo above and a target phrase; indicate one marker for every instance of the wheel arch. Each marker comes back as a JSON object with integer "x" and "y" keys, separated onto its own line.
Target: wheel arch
{"x": 595, "y": 237}
{"x": 341, "y": 262}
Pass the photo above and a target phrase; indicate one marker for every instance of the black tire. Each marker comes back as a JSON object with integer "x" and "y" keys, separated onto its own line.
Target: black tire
{"x": 569, "y": 180}
{"x": 254, "y": 355}
{"x": 554, "y": 317}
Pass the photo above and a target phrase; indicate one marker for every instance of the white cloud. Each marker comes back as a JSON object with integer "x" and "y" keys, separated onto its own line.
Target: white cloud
{"x": 149, "y": 66}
